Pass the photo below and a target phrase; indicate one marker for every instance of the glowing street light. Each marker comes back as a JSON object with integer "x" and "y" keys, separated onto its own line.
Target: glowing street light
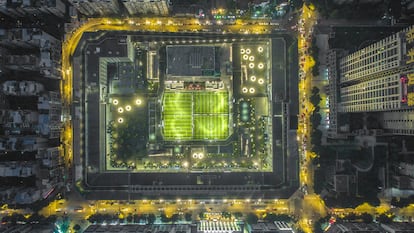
{"x": 248, "y": 51}
{"x": 244, "y": 89}
{"x": 242, "y": 51}
{"x": 251, "y": 65}
{"x": 120, "y": 120}
{"x": 260, "y": 49}
{"x": 245, "y": 57}
{"x": 252, "y": 90}
{"x": 128, "y": 108}
{"x": 253, "y": 78}
{"x": 115, "y": 102}
{"x": 260, "y": 66}
{"x": 251, "y": 58}
{"x": 138, "y": 101}
{"x": 120, "y": 110}
{"x": 260, "y": 81}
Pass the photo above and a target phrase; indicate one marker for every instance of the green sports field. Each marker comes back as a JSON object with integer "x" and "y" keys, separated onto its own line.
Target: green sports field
{"x": 196, "y": 115}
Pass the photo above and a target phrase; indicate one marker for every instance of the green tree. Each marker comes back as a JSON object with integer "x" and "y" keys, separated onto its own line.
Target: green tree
{"x": 238, "y": 215}
{"x": 384, "y": 218}
{"x": 366, "y": 218}
{"x": 77, "y": 227}
{"x": 251, "y": 218}
{"x": 164, "y": 218}
{"x": 174, "y": 218}
{"x": 188, "y": 217}
{"x": 151, "y": 218}
{"x": 129, "y": 218}
{"x": 315, "y": 100}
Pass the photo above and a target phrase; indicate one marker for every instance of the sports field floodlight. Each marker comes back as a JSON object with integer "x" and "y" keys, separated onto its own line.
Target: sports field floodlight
{"x": 245, "y": 57}
{"x": 253, "y": 78}
{"x": 138, "y": 101}
{"x": 244, "y": 89}
{"x": 115, "y": 102}
{"x": 242, "y": 51}
{"x": 252, "y": 90}
{"x": 128, "y": 108}
{"x": 251, "y": 58}
{"x": 260, "y": 49}
{"x": 120, "y": 110}
{"x": 120, "y": 120}
{"x": 260, "y": 66}
{"x": 248, "y": 51}
{"x": 261, "y": 81}
{"x": 251, "y": 65}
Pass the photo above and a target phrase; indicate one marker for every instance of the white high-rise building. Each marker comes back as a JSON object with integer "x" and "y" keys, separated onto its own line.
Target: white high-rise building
{"x": 380, "y": 78}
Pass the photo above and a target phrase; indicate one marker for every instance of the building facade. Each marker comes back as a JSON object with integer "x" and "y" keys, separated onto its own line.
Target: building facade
{"x": 157, "y": 7}
{"x": 379, "y": 78}
{"x": 96, "y": 7}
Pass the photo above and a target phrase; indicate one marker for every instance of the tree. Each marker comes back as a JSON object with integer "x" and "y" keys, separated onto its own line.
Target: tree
{"x": 251, "y": 218}
{"x": 151, "y": 218}
{"x": 201, "y": 215}
{"x": 225, "y": 214}
{"x": 366, "y": 218}
{"x": 238, "y": 215}
{"x": 164, "y": 218}
{"x": 315, "y": 119}
{"x": 315, "y": 100}
{"x": 384, "y": 218}
{"x": 315, "y": 90}
{"x": 188, "y": 217}
{"x": 77, "y": 227}
{"x": 129, "y": 218}
{"x": 174, "y": 218}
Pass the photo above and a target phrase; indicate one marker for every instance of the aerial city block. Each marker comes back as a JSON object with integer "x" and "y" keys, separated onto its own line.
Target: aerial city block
{"x": 207, "y": 116}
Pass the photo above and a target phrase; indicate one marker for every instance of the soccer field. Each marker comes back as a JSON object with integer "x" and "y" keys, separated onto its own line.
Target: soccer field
{"x": 196, "y": 115}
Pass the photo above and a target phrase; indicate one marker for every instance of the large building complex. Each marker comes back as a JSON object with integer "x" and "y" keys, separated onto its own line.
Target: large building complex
{"x": 21, "y": 8}
{"x": 166, "y": 118}
{"x": 31, "y": 168}
{"x": 377, "y": 78}
{"x": 42, "y": 52}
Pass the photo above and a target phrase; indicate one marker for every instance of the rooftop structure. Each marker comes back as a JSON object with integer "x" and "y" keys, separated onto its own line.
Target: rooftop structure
{"x": 191, "y": 61}
{"x": 159, "y": 228}
{"x": 270, "y": 227}
{"x": 43, "y": 54}
{"x": 26, "y": 143}
{"x": 349, "y": 227}
{"x": 33, "y": 180}
{"x": 17, "y": 169}
{"x": 22, "y": 88}
{"x": 157, "y": 7}
{"x": 22, "y": 8}
{"x": 96, "y": 7}
{"x": 398, "y": 227}
{"x": 219, "y": 227}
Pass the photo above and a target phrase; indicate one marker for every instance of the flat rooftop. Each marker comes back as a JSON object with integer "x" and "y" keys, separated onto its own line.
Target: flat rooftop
{"x": 185, "y": 60}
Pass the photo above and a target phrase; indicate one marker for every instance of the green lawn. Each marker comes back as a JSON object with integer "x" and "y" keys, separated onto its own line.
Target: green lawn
{"x": 215, "y": 127}
{"x": 208, "y": 115}
{"x": 211, "y": 102}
